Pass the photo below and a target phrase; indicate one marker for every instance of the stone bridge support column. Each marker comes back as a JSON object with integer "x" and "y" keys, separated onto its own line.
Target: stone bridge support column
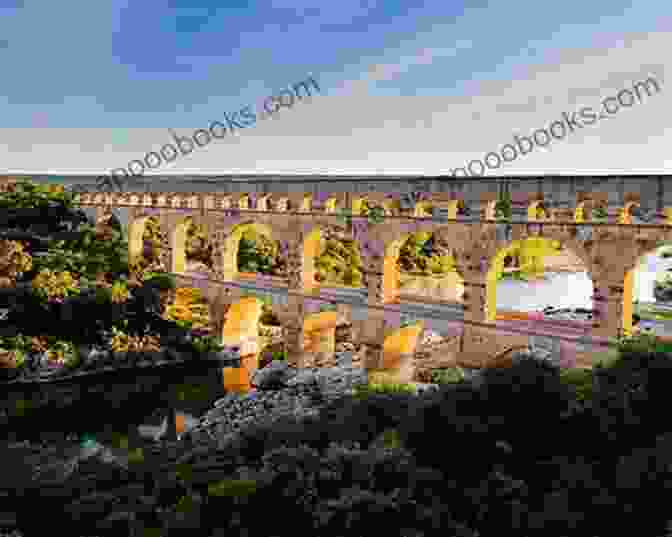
{"x": 608, "y": 308}
{"x": 475, "y": 341}
{"x": 292, "y": 330}
{"x": 371, "y": 332}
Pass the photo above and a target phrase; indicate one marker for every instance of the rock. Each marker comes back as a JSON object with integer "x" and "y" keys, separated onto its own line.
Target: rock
{"x": 228, "y": 399}
{"x": 343, "y": 358}
{"x": 274, "y": 376}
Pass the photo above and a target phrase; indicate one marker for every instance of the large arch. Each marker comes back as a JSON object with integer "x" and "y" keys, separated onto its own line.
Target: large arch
{"x": 392, "y": 274}
{"x": 136, "y": 245}
{"x": 534, "y": 250}
{"x": 319, "y": 338}
{"x": 241, "y": 330}
{"x": 398, "y": 353}
{"x": 179, "y": 239}
{"x": 178, "y": 246}
{"x": 135, "y": 233}
{"x": 312, "y": 250}
{"x": 232, "y": 243}
{"x": 632, "y": 284}
{"x": 538, "y": 211}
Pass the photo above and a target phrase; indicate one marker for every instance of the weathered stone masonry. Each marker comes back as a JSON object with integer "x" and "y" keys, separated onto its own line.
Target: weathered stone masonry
{"x": 609, "y": 250}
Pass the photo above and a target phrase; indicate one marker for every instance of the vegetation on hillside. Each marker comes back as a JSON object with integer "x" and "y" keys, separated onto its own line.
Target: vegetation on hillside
{"x": 586, "y": 462}
{"x": 68, "y": 286}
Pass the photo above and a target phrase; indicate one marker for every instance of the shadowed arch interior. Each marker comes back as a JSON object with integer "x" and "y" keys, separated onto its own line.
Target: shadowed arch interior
{"x": 178, "y": 245}
{"x": 232, "y": 243}
{"x": 135, "y": 233}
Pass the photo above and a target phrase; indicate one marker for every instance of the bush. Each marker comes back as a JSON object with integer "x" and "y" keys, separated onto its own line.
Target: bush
{"x": 508, "y": 392}
{"x": 338, "y": 491}
{"x": 581, "y": 380}
{"x": 451, "y": 375}
{"x": 629, "y": 395}
{"x": 381, "y": 387}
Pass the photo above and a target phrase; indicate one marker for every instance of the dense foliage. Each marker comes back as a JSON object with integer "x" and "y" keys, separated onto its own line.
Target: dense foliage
{"x": 521, "y": 454}
{"x": 68, "y": 286}
{"x": 421, "y": 253}
{"x": 258, "y": 253}
{"x": 340, "y": 262}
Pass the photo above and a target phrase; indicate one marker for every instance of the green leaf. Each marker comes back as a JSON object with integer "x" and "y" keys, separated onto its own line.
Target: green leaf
{"x": 233, "y": 487}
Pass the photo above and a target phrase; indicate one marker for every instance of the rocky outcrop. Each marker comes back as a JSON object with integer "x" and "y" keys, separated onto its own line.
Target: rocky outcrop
{"x": 278, "y": 390}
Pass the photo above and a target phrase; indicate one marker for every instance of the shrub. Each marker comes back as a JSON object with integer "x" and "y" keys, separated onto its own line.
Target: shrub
{"x": 581, "y": 380}
{"x": 450, "y": 375}
{"x": 381, "y": 387}
{"x": 163, "y": 282}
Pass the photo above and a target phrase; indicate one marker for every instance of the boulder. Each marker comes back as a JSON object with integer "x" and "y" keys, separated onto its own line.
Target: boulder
{"x": 274, "y": 376}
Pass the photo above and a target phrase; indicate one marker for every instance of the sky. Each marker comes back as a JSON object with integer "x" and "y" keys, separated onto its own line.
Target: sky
{"x": 406, "y": 87}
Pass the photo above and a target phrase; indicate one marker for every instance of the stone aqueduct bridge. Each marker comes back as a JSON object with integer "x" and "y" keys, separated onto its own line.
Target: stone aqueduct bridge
{"x": 610, "y": 252}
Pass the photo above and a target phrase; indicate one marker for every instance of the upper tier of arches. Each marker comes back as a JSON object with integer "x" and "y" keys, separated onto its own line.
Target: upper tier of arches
{"x": 533, "y": 209}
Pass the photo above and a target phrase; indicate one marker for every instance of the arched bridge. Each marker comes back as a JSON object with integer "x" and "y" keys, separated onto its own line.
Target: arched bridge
{"x": 610, "y": 248}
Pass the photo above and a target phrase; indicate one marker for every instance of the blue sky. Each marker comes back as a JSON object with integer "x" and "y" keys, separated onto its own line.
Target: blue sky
{"x": 407, "y": 87}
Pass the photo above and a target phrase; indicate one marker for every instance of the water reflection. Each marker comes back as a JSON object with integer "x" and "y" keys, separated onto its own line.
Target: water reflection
{"x": 557, "y": 289}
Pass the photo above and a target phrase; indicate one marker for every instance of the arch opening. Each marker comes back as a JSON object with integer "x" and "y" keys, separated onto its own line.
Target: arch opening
{"x": 192, "y": 250}
{"x": 240, "y": 333}
{"x": 647, "y": 294}
{"x": 190, "y": 309}
{"x": 538, "y": 210}
{"x": 397, "y": 360}
{"x": 538, "y": 279}
{"x": 422, "y": 265}
{"x": 332, "y": 258}
{"x": 319, "y": 338}
{"x": 249, "y": 250}
{"x": 146, "y": 246}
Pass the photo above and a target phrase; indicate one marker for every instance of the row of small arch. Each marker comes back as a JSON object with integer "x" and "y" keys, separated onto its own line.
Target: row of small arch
{"x": 537, "y": 210}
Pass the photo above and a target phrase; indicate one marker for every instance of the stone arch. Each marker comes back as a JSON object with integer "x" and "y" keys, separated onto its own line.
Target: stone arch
{"x": 630, "y": 283}
{"x": 422, "y": 209}
{"x": 490, "y": 210}
{"x": 626, "y": 216}
{"x": 306, "y": 204}
{"x": 135, "y": 233}
{"x": 231, "y": 245}
{"x": 312, "y": 249}
{"x": 242, "y": 320}
{"x": 538, "y": 210}
{"x": 583, "y": 210}
{"x": 179, "y": 237}
{"x": 392, "y": 207}
{"x": 456, "y": 208}
{"x": 391, "y": 273}
{"x": 399, "y": 348}
{"x": 390, "y": 288}
{"x": 580, "y": 211}
{"x": 136, "y": 244}
{"x": 178, "y": 246}
{"x": 319, "y": 338}
{"x": 513, "y": 248}
{"x": 240, "y": 332}
{"x": 331, "y": 204}
{"x": 358, "y": 204}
